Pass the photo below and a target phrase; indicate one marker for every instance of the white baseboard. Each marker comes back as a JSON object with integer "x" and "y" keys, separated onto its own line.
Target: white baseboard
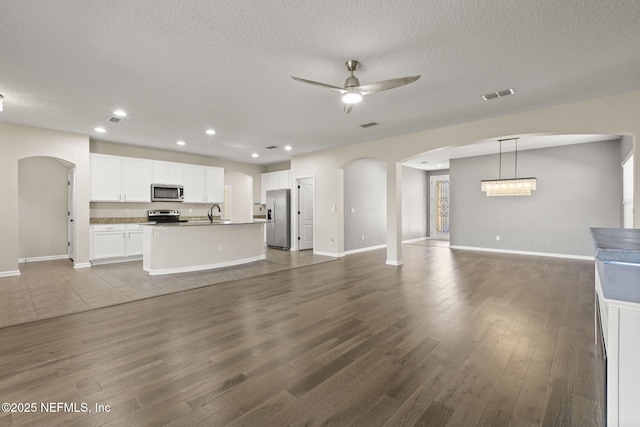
{"x": 331, "y": 254}
{"x": 203, "y": 267}
{"x": 82, "y": 265}
{"x": 43, "y": 258}
{"x": 370, "y": 248}
{"x": 9, "y": 273}
{"x": 394, "y": 263}
{"x": 508, "y": 251}
{"x": 419, "y": 239}
{"x": 114, "y": 260}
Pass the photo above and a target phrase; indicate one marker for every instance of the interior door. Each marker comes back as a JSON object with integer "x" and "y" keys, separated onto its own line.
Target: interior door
{"x": 305, "y": 213}
{"x": 439, "y": 207}
{"x": 71, "y": 214}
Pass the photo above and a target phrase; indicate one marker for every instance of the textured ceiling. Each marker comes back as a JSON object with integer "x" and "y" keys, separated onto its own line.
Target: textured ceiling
{"x": 179, "y": 68}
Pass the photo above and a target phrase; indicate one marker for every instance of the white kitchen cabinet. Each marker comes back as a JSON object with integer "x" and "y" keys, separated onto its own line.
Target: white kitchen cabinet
{"x": 273, "y": 181}
{"x": 167, "y": 173}
{"x": 136, "y": 180}
{"x": 194, "y": 184}
{"x": 115, "y": 242}
{"x": 203, "y": 184}
{"x": 133, "y": 246}
{"x": 106, "y": 178}
{"x": 107, "y": 241}
{"x": 120, "y": 179}
{"x": 619, "y": 320}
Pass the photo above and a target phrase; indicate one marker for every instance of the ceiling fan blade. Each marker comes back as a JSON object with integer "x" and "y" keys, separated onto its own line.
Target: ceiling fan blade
{"x": 311, "y": 82}
{"x": 348, "y": 108}
{"x": 385, "y": 85}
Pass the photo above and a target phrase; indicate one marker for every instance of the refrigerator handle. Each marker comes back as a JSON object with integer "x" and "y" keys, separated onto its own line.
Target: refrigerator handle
{"x": 274, "y": 214}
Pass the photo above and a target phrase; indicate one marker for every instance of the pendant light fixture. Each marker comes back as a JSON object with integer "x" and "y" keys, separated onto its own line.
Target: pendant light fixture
{"x": 508, "y": 187}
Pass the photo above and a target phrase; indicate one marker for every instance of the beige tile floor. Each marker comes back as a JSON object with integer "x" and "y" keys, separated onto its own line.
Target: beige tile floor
{"x": 48, "y": 289}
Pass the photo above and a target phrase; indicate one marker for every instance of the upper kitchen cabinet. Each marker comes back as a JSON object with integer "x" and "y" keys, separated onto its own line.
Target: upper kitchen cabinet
{"x": 203, "y": 184}
{"x": 274, "y": 181}
{"x": 167, "y": 173}
{"x": 120, "y": 179}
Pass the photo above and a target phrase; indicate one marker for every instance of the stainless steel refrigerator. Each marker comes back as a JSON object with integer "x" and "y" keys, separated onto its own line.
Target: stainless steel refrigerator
{"x": 278, "y": 219}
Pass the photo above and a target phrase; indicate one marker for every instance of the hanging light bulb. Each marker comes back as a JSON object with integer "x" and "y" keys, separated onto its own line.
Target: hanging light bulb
{"x": 351, "y": 97}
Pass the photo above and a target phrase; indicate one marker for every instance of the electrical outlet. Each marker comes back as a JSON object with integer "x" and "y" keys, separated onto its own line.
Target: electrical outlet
{"x": 156, "y": 235}
{"x": 332, "y": 240}
{"x": 190, "y": 210}
{"x": 363, "y": 237}
{"x": 353, "y": 210}
{"x": 220, "y": 248}
{"x": 127, "y": 211}
{"x": 497, "y": 237}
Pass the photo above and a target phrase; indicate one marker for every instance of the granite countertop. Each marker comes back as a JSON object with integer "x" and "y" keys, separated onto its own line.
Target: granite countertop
{"x": 145, "y": 220}
{"x": 616, "y": 244}
{"x": 202, "y": 223}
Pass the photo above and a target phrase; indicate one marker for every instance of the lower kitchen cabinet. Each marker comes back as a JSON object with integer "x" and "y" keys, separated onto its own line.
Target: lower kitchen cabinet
{"x": 115, "y": 243}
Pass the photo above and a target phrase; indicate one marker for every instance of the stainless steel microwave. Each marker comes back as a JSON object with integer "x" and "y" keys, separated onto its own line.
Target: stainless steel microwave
{"x": 167, "y": 193}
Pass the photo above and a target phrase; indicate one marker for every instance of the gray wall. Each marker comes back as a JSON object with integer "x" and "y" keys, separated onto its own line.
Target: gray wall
{"x": 415, "y": 202}
{"x": 365, "y": 191}
{"x": 557, "y": 217}
{"x": 42, "y": 206}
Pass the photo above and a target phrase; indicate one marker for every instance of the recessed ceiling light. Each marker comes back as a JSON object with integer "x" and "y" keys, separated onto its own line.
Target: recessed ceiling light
{"x": 287, "y": 147}
{"x": 181, "y": 143}
{"x": 210, "y": 132}
{"x": 100, "y": 129}
{"x": 254, "y": 155}
{"x": 120, "y": 113}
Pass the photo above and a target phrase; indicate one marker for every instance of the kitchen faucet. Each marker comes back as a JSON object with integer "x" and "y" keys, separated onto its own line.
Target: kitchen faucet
{"x": 210, "y": 213}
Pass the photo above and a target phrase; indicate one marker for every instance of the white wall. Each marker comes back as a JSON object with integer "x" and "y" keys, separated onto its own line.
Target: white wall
{"x": 241, "y": 209}
{"x": 42, "y": 207}
{"x": 415, "y": 202}
{"x": 615, "y": 115}
{"x": 365, "y": 200}
{"x": 18, "y": 142}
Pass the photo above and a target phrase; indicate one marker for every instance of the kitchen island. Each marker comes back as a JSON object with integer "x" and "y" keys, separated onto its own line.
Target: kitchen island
{"x": 617, "y": 289}
{"x": 202, "y": 245}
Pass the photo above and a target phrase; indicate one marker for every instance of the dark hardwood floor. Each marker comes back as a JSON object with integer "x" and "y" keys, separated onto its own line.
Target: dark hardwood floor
{"x": 455, "y": 338}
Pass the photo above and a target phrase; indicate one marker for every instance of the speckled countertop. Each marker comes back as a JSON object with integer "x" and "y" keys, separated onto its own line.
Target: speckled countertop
{"x": 144, "y": 219}
{"x": 616, "y": 244}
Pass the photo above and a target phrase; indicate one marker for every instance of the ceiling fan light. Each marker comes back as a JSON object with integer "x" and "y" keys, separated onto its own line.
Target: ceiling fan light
{"x": 351, "y": 97}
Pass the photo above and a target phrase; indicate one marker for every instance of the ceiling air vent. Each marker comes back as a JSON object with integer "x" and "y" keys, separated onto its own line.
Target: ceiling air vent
{"x": 499, "y": 94}
{"x": 271, "y": 147}
{"x": 114, "y": 119}
{"x": 368, "y": 125}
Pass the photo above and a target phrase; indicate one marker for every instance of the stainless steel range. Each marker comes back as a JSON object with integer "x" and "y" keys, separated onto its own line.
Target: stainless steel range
{"x": 164, "y": 216}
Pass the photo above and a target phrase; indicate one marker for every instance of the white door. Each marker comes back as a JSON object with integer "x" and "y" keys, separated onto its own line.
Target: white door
{"x": 439, "y": 207}
{"x": 305, "y": 213}
{"x": 71, "y": 214}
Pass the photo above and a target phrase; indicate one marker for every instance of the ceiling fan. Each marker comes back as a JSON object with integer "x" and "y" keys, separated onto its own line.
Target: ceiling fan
{"x": 352, "y": 92}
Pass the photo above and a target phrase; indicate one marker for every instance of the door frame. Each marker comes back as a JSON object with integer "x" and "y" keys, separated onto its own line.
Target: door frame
{"x": 71, "y": 213}
{"x": 294, "y": 212}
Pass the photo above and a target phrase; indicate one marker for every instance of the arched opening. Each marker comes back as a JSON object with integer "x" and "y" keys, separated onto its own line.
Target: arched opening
{"x": 45, "y": 208}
